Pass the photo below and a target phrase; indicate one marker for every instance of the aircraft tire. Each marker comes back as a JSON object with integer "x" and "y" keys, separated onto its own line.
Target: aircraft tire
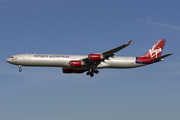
{"x": 20, "y": 70}
{"x": 91, "y": 74}
{"x": 96, "y": 71}
{"x": 88, "y": 73}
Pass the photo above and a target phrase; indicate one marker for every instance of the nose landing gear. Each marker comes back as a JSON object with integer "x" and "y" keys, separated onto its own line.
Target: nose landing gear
{"x": 20, "y": 68}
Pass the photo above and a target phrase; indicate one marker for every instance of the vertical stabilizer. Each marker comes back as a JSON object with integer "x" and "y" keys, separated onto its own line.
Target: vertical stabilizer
{"x": 153, "y": 53}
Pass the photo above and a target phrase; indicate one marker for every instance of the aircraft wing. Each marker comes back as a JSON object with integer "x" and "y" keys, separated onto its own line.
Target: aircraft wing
{"x": 104, "y": 55}
{"x": 111, "y": 53}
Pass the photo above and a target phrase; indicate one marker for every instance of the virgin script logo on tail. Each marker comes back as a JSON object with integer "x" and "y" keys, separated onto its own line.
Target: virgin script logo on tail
{"x": 154, "y": 52}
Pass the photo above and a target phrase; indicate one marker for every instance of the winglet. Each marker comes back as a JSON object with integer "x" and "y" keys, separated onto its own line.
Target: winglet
{"x": 128, "y": 43}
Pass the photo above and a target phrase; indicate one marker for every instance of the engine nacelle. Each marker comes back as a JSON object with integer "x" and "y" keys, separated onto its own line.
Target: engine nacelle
{"x": 79, "y": 71}
{"x": 69, "y": 70}
{"x": 76, "y": 63}
{"x": 95, "y": 57}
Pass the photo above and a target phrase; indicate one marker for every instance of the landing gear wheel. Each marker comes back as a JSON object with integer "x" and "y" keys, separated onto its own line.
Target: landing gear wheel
{"x": 91, "y": 74}
{"x": 88, "y": 73}
{"x": 92, "y": 71}
{"x": 96, "y": 71}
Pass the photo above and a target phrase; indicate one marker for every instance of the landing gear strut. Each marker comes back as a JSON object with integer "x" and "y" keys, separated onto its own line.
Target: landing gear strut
{"x": 20, "y": 68}
{"x": 95, "y": 71}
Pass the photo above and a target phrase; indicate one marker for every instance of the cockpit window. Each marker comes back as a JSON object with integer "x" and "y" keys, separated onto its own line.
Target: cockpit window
{"x": 11, "y": 57}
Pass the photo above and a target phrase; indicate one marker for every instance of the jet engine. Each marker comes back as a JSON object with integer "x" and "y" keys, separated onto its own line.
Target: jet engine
{"x": 79, "y": 71}
{"x": 69, "y": 70}
{"x": 76, "y": 63}
{"x": 95, "y": 57}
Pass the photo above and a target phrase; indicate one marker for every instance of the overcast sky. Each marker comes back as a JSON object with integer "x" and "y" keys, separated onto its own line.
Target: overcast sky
{"x": 81, "y": 27}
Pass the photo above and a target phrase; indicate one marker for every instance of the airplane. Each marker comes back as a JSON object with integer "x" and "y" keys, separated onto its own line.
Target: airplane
{"x": 92, "y": 62}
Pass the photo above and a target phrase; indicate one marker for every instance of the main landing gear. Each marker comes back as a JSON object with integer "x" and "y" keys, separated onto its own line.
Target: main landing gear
{"x": 20, "y": 68}
{"x": 92, "y": 71}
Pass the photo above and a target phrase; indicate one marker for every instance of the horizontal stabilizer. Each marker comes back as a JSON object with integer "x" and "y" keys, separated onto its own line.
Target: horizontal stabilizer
{"x": 160, "y": 58}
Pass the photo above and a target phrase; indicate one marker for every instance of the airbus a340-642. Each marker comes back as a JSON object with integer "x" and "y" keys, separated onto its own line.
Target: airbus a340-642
{"x": 92, "y": 62}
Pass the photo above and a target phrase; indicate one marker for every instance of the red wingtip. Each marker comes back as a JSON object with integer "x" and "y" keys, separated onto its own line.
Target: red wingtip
{"x": 128, "y": 43}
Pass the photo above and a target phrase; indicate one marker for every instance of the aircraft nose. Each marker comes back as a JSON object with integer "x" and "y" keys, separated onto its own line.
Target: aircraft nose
{"x": 8, "y": 60}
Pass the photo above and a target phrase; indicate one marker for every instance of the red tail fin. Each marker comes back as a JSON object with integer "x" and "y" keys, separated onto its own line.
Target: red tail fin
{"x": 153, "y": 53}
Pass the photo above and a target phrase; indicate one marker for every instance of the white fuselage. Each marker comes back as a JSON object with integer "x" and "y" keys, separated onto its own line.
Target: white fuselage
{"x": 51, "y": 60}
